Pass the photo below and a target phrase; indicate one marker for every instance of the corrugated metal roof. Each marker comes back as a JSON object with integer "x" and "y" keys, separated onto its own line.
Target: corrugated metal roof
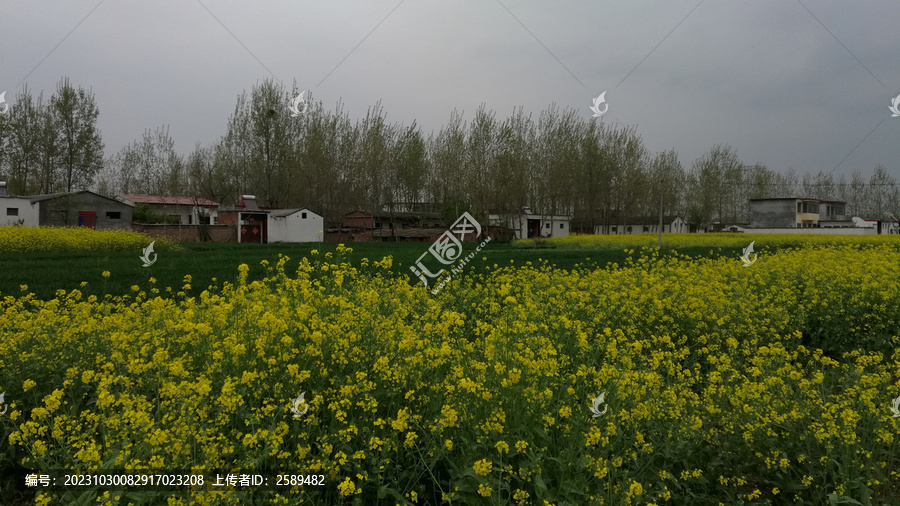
{"x": 51, "y": 196}
{"x": 281, "y": 213}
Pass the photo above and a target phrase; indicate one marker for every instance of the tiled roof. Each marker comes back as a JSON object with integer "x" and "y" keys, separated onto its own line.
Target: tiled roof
{"x": 165, "y": 200}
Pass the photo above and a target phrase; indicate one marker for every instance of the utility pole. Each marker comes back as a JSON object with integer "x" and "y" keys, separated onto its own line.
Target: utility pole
{"x": 660, "y": 212}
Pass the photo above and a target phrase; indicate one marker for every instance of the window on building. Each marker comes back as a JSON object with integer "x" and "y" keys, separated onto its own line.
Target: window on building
{"x": 12, "y": 211}
{"x": 562, "y": 226}
{"x": 113, "y": 215}
{"x": 303, "y": 215}
{"x": 547, "y": 226}
{"x": 629, "y": 229}
{"x": 614, "y": 229}
{"x": 808, "y": 207}
{"x": 191, "y": 219}
{"x": 646, "y": 228}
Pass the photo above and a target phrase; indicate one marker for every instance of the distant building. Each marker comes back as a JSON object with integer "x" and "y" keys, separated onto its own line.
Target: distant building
{"x": 250, "y": 221}
{"x": 82, "y": 209}
{"x": 531, "y": 226}
{"x": 388, "y": 226}
{"x": 188, "y": 210}
{"x": 295, "y": 225}
{"x": 261, "y": 226}
{"x": 801, "y": 215}
{"x": 784, "y": 213}
{"x": 834, "y": 214}
{"x": 672, "y": 224}
{"x": 798, "y": 213}
{"x": 879, "y": 227}
{"x": 16, "y": 210}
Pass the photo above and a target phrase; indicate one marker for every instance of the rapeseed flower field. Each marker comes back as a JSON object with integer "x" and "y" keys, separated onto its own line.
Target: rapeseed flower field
{"x": 72, "y": 239}
{"x": 665, "y": 380}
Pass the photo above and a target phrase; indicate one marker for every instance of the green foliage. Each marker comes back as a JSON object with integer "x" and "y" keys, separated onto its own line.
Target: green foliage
{"x": 143, "y": 214}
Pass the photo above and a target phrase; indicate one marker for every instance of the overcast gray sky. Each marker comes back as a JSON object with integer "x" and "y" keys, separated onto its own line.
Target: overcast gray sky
{"x": 788, "y": 83}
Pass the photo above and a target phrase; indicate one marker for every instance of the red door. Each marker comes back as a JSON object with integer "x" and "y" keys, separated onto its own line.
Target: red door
{"x": 254, "y": 229}
{"x": 87, "y": 219}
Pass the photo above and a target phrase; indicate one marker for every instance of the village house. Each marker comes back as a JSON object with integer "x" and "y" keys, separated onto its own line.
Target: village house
{"x": 250, "y": 222}
{"x": 526, "y": 225}
{"x": 82, "y": 209}
{"x": 187, "y": 210}
{"x": 255, "y": 225}
{"x": 295, "y": 225}
{"x": 389, "y": 226}
{"x": 643, "y": 225}
{"x": 813, "y": 216}
{"x": 794, "y": 213}
{"x": 16, "y": 210}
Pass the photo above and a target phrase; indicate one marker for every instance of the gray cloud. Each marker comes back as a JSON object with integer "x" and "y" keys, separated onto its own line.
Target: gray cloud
{"x": 764, "y": 77}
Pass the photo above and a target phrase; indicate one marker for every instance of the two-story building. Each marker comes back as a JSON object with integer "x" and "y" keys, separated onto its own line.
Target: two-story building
{"x": 785, "y": 213}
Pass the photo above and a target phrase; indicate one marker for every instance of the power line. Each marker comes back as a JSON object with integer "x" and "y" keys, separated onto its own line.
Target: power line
{"x": 60, "y": 43}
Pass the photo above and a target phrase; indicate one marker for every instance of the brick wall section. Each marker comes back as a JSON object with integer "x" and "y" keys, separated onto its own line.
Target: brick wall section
{"x": 188, "y": 233}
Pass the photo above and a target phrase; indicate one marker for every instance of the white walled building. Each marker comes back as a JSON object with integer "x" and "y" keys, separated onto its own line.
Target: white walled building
{"x": 532, "y": 226}
{"x": 18, "y": 211}
{"x": 295, "y": 225}
{"x": 645, "y": 225}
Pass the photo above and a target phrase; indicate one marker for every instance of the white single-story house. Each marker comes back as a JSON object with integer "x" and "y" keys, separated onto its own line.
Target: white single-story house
{"x": 295, "y": 225}
{"x": 17, "y": 210}
{"x": 880, "y": 227}
{"x": 645, "y": 224}
{"x": 532, "y": 226}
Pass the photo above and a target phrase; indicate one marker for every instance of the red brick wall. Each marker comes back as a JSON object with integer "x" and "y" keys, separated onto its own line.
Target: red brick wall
{"x": 227, "y": 218}
{"x": 188, "y": 233}
{"x": 357, "y": 220}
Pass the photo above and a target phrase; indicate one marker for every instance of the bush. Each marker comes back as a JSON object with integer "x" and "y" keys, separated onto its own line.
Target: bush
{"x": 143, "y": 214}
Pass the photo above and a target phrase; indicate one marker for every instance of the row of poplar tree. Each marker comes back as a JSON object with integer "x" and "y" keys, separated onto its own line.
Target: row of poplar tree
{"x": 556, "y": 163}
{"x": 50, "y": 145}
